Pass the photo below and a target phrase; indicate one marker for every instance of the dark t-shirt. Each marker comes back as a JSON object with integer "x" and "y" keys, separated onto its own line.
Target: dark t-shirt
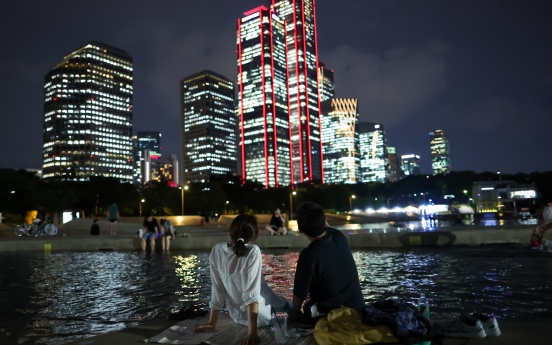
{"x": 95, "y": 229}
{"x": 327, "y": 271}
{"x": 276, "y": 222}
{"x": 150, "y": 226}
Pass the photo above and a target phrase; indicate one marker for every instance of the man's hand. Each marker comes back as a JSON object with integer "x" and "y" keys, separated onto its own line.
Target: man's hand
{"x": 251, "y": 339}
{"x": 204, "y": 328}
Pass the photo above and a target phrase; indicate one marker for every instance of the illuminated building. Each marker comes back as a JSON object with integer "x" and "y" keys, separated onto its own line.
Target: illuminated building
{"x": 410, "y": 164}
{"x": 374, "y": 163}
{"x": 325, "y": 84}
{"x": 340, "y": 141}
{"x": 88, "y": 115}
{"x": 502, "y": 196}
{"x": 394, "y": 164}
{"x": 440, "y": 152}
{"x": 144, "y": 141}
{"x": 208, "y": 122}
{"x": 303, "y": 93}
{"x": 165, "y": 171}
{"x": 263, "y": 104}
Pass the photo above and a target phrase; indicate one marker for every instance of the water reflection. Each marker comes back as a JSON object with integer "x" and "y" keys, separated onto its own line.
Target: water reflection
{"x": 56, "y": 298}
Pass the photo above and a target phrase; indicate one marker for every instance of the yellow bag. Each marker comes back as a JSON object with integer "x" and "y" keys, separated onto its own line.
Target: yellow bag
{"x": 343, "y": 326}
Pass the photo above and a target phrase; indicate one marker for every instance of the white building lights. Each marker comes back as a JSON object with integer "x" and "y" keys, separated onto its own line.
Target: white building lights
{"x": 208, "y": 120}
{"x": 262, "y": 101}
{"x": 374, "y": 163}
{"x": 88, "y": 115}
{"x": 341, "y": 140}
{"x": 440, "y": 152}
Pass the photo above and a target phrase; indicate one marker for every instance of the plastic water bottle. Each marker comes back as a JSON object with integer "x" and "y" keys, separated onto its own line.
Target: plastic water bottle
{"x": 423, "y": 305}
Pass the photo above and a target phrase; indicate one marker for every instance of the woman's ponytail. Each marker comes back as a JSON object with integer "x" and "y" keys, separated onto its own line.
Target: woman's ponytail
{"x": 243, "y": 230}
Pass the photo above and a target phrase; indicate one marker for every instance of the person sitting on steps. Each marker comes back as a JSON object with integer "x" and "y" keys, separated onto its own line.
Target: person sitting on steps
{"x": 276, "y": 226}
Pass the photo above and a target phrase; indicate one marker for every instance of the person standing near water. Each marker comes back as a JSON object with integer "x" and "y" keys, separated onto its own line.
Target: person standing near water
{"x": 113, "y": 216}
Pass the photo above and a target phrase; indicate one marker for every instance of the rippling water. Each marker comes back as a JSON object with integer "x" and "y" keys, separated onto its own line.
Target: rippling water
{"x": 54, "y": 298}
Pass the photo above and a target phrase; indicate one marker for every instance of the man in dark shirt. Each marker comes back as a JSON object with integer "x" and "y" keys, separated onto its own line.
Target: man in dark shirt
{"x": 326, "y": 271}
{"x": 151, "y": 230}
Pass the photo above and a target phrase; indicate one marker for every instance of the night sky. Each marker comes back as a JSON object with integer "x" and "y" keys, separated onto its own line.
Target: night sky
{"x": 479, "y": 69}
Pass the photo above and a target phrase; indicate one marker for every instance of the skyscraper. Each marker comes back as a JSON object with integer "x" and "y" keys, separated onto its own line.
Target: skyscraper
{"x": 208, "y": 123}
{"x": 88, "y": 115}
{"x": 410, "y": 164}
{"x": 262, "y": 101}
{"x": 340, "y": 140}
{"x": 394, "y": 164}
{"x": 144, "y": 141}
{"x": 325, "y": 83}
{"x": 374, "y": 164}
{"x": 302, "y": 85}
{"x": 440, "y": 152}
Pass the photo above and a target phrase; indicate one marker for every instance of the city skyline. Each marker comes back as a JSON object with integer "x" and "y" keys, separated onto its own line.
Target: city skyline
{"x": 477, "y": 70}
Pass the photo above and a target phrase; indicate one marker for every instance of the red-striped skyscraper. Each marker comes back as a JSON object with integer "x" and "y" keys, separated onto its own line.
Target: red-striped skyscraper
{"x": 302, "y": 86}
{"x": 262, "y": 98}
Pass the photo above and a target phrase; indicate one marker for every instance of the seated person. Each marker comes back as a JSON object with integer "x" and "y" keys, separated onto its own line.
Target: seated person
{"x": 276, "y": 226}
{"x": 168, "y": 233}
{"x": 326, "y": 271}
{"x": 95, "y": 228}
{"x": 541, "y": 228}
{"x": 151, "y": 232}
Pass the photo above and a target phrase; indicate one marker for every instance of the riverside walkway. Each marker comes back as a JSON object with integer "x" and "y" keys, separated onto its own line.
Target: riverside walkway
{"x": 373, "y": 232}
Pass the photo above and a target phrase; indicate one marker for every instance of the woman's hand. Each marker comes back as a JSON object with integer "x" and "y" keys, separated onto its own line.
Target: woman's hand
{"x": 251, "y": 339}
{"x": 204, "y": 328}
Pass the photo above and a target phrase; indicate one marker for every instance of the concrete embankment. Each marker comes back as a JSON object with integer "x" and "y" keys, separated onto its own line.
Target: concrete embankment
{"x": 206, "y": 239}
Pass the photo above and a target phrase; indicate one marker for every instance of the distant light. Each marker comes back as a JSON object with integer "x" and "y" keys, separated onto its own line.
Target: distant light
{"x": 487, "y": 188}
{"x": 369, "y": 210}
{"x": 13, "y": 192}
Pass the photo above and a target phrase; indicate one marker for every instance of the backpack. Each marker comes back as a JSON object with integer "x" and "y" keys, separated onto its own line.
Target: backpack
{"x": 406, "y": 322}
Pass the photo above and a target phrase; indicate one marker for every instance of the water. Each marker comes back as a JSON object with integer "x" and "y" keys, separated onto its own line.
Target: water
{"x": 54, "y": 298}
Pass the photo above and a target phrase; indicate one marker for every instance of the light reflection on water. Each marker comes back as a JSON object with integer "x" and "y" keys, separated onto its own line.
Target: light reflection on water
{"x": 54, "y": 298}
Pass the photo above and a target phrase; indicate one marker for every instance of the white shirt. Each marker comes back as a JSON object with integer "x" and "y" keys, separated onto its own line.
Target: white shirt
{"x": 238, "y": 281}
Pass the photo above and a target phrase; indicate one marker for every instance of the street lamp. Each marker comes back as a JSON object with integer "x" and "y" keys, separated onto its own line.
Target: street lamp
{"x": 351, "y": 202}
{"x": 291, "y": 204}
{"x": 141, "y": 202}
{"x": 182, "y": 195}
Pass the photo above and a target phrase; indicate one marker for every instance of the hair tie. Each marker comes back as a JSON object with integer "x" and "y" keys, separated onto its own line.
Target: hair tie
{"x": 240, "y": 239}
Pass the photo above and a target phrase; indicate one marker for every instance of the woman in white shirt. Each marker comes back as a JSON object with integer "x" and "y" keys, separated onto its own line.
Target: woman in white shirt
{"x": 238, "y": 282}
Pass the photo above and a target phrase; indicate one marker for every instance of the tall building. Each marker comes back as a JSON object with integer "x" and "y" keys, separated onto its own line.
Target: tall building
{"x": 88, "y": 115}
{"x": 440, "y": 152}
{"x": 302, "y": 84}
{"x": 325, "y": 83}
{"x": 394, "y": 164}
{"x": 410, "y": 165}
{"x": 262, "y": 101}
{"x": 144, "y": 141}
{"x": 208, "y": 123}
{"x": 374, "y": 162}
{"x": 165, "y": 171}
{"x": 340, "y": 140}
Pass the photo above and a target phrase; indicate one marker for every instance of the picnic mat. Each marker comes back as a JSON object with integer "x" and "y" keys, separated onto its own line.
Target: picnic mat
{"x": 227, "y": 332}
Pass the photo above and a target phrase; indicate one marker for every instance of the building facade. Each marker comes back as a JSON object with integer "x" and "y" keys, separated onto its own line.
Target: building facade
{"x": 302, "y": 85}
{"x": 440, "y": 152}
{"x": 394, "y": 164}
{"x": 144, "y": 141}
{"x": 325, "y": 83}
{"x": 208, "y": 124}
{"x": 410, "y": 165}
{"x": 262, "y": 102}
{"x": 340, "y": 140}
{"x": 374, "y": 161}
{"x": 88, "y": 115}
{"x": 165, "y": 171}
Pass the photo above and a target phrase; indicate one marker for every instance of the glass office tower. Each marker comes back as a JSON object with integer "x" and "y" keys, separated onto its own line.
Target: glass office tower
{"x": 325, "y": 83}
{"x": 144, "y": 141}
{"x": 88, "y": 115}
{"x": 340, "y": 140}
{"x": 262, "y": 102}
{"x": 208, "y": 123}
{"x": 374, "y": 162}
{"x": 394, "y": 164}
{"x": 302, "y": 85}
{"x": 410, "y": 164}
{"x": 440, "y": 152}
